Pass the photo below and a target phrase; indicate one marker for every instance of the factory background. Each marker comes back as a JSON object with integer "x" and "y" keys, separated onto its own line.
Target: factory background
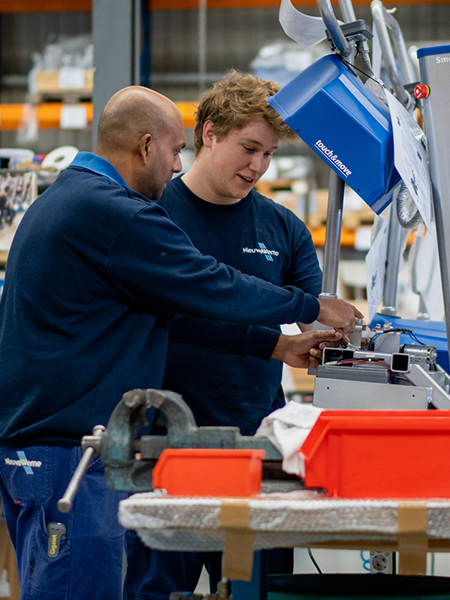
{"x": 185, "y": 51}
{"x": 234, "y": 38}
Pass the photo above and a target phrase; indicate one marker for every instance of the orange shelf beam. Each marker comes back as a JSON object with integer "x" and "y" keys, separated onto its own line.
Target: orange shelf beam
{"x": 193, "y": 4}
{"x": 77, "y": 5}
{"x": 9, "y": 6}
{"x": 49, "y": 114}
{"x": 187, "y": 110}
{"x": 10, "y": 115}
{"x": 348, "y": 237}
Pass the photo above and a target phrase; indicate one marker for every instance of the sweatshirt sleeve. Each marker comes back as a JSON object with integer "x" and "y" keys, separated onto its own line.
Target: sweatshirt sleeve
{"x": 154, "y": 265}
{"x": 231, "y": 338}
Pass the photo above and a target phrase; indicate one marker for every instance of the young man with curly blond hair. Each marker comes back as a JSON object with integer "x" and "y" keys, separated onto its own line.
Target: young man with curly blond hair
{"x": 215, "y": 203}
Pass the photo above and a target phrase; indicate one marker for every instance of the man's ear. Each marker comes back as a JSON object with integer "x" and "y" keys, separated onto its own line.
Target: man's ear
{"x": 208, "y": 134}
{"x": 145, "y": 147}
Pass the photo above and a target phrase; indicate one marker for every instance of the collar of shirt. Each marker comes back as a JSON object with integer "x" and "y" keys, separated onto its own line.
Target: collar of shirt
{"x": 97, "y": 164}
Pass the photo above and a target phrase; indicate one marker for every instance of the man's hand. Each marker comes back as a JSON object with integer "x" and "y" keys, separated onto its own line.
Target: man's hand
{"x": 304, "y": 350}
{"x": 338, "y": 314}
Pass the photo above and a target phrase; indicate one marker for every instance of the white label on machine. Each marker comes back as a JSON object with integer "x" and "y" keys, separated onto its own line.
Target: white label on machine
{"x": 303, "y": 29}
{"x": 376, "y": 267}
{"x": 410, "y": 158}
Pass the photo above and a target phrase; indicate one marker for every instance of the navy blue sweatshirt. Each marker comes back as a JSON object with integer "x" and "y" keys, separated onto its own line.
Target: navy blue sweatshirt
{"x": 93, "y": 270}
{"x": 258, "y": 237}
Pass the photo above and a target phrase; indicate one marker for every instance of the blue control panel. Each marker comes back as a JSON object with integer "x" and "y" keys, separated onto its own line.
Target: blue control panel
{"x": 346, "y": 124}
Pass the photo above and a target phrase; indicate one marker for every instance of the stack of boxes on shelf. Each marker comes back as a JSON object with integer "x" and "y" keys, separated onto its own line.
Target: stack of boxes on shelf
{"x": 62, "y": 75}
{"x": 64, "y": 70}
{"x": 69, "y": 85}
{"x": 311, "y": 206}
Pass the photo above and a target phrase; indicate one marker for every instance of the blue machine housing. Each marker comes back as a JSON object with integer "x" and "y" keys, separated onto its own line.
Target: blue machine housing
{"x": 430, "y": 333}
{"x": 345, "y": 124}
{"x": 433, "y": 51}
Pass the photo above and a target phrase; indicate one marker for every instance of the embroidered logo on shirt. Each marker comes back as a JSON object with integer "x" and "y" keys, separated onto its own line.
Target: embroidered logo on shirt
{"x": 269, "y": 254}
{"x": 23, "y": 462}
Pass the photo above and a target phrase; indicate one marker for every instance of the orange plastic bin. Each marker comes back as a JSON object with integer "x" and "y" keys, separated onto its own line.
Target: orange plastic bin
{"x": 379, "y": 454}
{"x": 209, "y": 472}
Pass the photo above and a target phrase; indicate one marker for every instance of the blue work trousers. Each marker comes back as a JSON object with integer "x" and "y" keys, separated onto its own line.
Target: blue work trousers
{"x": 88, "y": 562}
{"x": 154, "y": 574}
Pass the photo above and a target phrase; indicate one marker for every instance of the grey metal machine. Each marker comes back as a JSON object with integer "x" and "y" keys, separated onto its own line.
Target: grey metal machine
{"x": 376, "y": 371}
{"x": 382, "y": 374}
{"x": 434, "y": 65}
{"x": 401, "y": 74}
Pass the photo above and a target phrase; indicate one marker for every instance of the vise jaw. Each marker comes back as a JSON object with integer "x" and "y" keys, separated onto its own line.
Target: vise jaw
{"x": 129, "y": 461}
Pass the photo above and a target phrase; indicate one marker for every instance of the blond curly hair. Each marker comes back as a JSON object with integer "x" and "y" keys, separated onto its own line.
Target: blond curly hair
{"x": 233, "y": 102}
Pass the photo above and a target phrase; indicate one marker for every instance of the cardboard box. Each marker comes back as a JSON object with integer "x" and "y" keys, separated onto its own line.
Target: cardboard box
{"x": 63, "y": 80}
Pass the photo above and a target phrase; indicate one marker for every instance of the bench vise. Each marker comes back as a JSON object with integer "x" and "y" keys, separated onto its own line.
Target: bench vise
{"x": 129, "y": 461}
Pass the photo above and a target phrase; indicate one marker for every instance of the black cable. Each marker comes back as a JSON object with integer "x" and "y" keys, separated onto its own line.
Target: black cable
{"x": 350, "y": 66}
{"x": 313, "y": 560}
{"x": 416, "y": 339}
{"x": 397, "y": 330}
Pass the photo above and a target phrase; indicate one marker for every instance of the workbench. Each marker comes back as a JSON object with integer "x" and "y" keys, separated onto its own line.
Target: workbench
{"x": 302, "y": 518}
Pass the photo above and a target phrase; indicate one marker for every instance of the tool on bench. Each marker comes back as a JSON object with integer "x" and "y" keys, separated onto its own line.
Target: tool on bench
{"x": 129, "y": 461}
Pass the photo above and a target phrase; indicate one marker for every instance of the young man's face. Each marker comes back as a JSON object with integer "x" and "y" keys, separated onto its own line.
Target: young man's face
{"x": 238, "y": 161}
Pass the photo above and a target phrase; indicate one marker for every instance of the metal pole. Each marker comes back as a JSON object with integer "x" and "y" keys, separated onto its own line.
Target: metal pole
{"x": 111, "y": 21}
{"x": 333, "y": 27}
{"x": 383, "y": 20}
{"x": 332, "y": 248}
{"x": 347, "y": 10}
{"x": 393, "y": 261}
{"x": 137, "y": 42}
{"x": 379, "y": 15}
{"x": 146, "y": 53}
{"x": 202, "y": 43}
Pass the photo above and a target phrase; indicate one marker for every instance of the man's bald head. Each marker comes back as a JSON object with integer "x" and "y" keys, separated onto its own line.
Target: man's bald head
{"x": 129, "y": 114}
{"x": 141, "y": 134}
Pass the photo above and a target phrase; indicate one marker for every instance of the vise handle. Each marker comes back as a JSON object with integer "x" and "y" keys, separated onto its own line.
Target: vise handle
{"x": 91, "y": 446}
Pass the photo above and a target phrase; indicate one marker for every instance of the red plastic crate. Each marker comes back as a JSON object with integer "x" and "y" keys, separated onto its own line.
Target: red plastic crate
{"x": 205, "y": 472}
{"x": 379, "y": 454}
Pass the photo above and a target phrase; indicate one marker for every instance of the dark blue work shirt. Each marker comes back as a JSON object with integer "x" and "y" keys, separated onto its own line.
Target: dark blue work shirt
{"x": 258, "y": 237}
{"x": 93, "y": 271}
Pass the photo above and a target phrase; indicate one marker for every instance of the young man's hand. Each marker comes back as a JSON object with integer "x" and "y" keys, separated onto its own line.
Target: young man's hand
{"x": 304, "y": 350}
